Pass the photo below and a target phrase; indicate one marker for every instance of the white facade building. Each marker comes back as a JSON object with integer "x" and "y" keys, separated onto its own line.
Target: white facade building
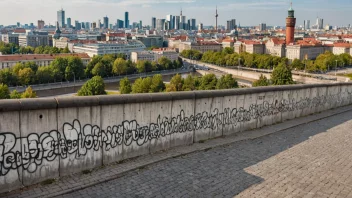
{"x": 154, "y": 55}
{"x": 115, "y": 47}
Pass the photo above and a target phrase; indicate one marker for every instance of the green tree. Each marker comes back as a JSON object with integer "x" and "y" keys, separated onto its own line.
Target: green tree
{"x": 297, "y": 64}
{"x": 188, "y": 84}
{"x": 15, "y": 94}
{"x": 25, "y": 76}
{"x": 31, "y": 65}
{"x": 95, "y": 60}
{"x": 29, "y": 93}
{"x": 66, "y": 50}
{"x": 176, "y": 84}
{"x": 4, "y": 91}
{"x": 157, "y": 84}
{"x": 263, "y": 81}
{"x": 7, "y": 77}
{"x": 120, "y": 67}
{"x": 44, "y": 74}
{"x": 125, "y": 86}
{"x": 141, "y": 66}
{"x": 94, "y": 86}
{"x": 164, "y": 62}
{"x": 137, "y": 86}
{"x": 227, "y": 82}
{"x": 208, "y": 82}
{"x": 99, "y": 70}
{"x": 146, "y": 85}
{"x": 281, "y": 75}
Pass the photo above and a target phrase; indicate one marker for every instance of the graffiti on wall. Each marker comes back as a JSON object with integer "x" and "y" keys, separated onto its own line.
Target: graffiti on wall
{"x": 76, "y": 139}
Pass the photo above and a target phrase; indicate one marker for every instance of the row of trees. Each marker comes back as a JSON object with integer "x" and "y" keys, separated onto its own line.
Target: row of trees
{"x": 323, "y": 62}
{"x": 10, "y": 48}
{"x": 227, "y": 57}
{"x": 5, "y": 93}
{"x": 30, "y": 73}
{"x": 70, "y": 68}
{"x": 281, "y": 75}
{"x": 109, "y": 65}
{"x": 177, "y": 83}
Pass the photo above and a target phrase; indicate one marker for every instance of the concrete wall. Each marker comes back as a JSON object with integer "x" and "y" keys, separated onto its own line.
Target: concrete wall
{"x": 49, "y": 138}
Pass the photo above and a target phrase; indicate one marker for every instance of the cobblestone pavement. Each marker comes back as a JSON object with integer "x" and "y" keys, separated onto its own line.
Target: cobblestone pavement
{"x": 312, "y": 160}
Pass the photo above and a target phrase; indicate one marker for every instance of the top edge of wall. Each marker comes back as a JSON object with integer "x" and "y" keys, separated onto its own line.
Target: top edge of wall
{"x": 53, "y": 103}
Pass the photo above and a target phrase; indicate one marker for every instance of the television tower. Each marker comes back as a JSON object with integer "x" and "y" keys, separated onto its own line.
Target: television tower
{"x": 216, "y": 17}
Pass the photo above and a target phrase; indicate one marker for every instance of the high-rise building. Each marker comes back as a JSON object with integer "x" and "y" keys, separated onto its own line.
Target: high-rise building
{"x": 177, "y": 23}
{"x": 61, "y": 18}
{"x": 83, "y": 25}
{"x": 231, "y": 24}
{"x": 93, "y": 25}
{"x": 78, "y": 25}
{"x": 69, "y": 25}
{"x": 18, "y": 24}
{"x": 320, "y": 23}
{"x": 127, "y": 21}
{"x": 87, "y": 25}
{"x": 99, "y": 24}
{"x": 106, "y": 22}
{"x": 262, "y": 26}
{"x": 119, "y": 24}
{"x": 140, "y": 24}
{"x": 40, "y": 24}
{"x": 153, "y": 23}
{"x": 169, "y": 18}
{"x": 160, "y": 24}
{"x": 193, "y": 24}
{"x": 200, "y": 27}
{"x": 306, "y": 24}
{"x": 183, "y": 24}
{"x": 31, "y": 25}
{"x": 290, "y": 26}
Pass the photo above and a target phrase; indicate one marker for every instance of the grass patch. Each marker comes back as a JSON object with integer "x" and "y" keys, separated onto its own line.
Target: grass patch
{"x": 85, "y": 172}
{"x": 112, "y": 93}
{"x": 47, "y": 182}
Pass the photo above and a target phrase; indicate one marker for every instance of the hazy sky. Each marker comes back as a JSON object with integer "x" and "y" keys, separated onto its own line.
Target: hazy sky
{"x": 247, "y": 12}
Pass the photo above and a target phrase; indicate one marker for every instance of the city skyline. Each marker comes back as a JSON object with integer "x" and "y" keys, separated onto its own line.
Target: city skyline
{"x": 270, "y": 12}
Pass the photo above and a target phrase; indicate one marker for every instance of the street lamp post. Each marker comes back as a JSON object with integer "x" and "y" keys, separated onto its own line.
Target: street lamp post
{"x": 239, "y": 64}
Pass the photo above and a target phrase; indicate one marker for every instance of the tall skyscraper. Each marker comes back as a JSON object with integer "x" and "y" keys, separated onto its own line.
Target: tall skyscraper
{"x": 188, "y": 27}
{"x": 177, "y": 22}
{"x": 169, "y": 18}
{"x": 183, "y": 24}
{"x": 106, "y": 22}
{"x": 83, "y": 25}
{"x": 18, "y": 24}
{"x": 153, "y": 23}
{"x": 87, "y": 25}
{"x": 40, "y": 24}
{"x": 231, "y": 24}
{"x": 127, "y": 21}
{"x": 160, "y": 24}
{"x": 262, "y": 26}
{"x": 320, "y": 23}
{"x": 307, "y": 25}
{"x": 99, "y": 24}
{"x": 69, "y": 25}
{"x": 140, "y": 24}
{"x": 78, "y": 25}
{"x": 61, "y": 17}
{"x": 193, "y": 24}
{"x": 119, "y": 24}
{"x": 200, "y": 27}
{"x": 290, "y": 26}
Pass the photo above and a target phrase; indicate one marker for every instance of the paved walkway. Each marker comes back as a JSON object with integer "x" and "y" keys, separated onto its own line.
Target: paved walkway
{"x": 309, "y": 160}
